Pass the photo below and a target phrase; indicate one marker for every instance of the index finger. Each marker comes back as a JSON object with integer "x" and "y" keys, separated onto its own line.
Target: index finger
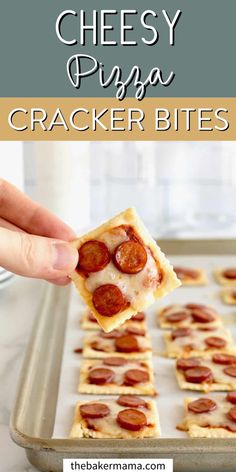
{"x": 28, "y": 215}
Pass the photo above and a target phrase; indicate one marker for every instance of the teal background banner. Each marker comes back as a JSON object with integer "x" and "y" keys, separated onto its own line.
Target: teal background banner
{"x": 33, "y": 60}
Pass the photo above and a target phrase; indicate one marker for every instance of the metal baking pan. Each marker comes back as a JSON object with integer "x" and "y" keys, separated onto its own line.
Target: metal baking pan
{"x": 33, "y": 417}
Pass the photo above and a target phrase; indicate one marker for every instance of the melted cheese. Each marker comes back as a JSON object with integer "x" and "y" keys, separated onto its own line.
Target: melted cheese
{"x": 134, "y": 287}
{"x": 109, "y": 426}
{"x": 120, "y": 370}
{"x": 217, "y": 418}
{"x": 108, "y": 345}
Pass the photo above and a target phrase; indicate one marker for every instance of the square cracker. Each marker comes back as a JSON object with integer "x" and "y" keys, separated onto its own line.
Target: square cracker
{"x": 201, "y": 279}
{"x": 226, "y": 295}
{"x": 196, "y": 431}
{"x": 86, "y": 324}
{"x": 205, "y": 386}
{"x": 175, "y": 350}
{"x": 165, "y": 324}
{"x": 89, "y": 352}
{"x": 223, "y": 280}
{"x": 146, "y": 388}
{"x": 112, "y": 430}
{"x": 169, "y": 281}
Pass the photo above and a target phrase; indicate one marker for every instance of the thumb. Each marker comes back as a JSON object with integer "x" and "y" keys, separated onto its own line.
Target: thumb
{"x": 36, "y": 256}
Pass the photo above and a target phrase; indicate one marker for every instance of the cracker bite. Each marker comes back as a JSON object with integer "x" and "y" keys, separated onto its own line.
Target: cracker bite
{"x": 121, "y": 270}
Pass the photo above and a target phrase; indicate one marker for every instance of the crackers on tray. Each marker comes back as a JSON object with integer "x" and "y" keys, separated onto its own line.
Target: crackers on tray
{"x": 191, "y": 277}
{"x": 89, "y": 322}
{"x": 121, "y": 270}
{"x": 127, "y": 417}
{"x": 116, "y": 376}
{"x": 191, "y": 314}
{"x": 226, "y": 276}
{"x": 130, "y": 344}
{"x": 210, "y": 417}
{"x": 216, "y": 373}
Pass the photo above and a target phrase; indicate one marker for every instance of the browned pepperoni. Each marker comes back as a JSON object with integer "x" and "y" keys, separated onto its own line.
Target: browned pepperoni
{"x": 184, "y": 364}
{"x": 229, "y": 273}
{"x": 127, "y": 343}
{"x": 134, "y": 376}
{"x": 177, "y": 317}
{"x": 108, "y": 300}
{"x": 130, "y": 257}
{"x": 136, "y": 331}
{"x": 140, "y": 316}
{"x": 101, "y": 376}
{"x": 112, "y": 335}
{"x": 93, "y": 256}
{"x": 193, "y": 306}
{"x": 232, "y": 414}
{"x": 224, "y": 359}
{"x": 216, "y": 342}
{"x": 180, "y": 333}
{"x": 202, "y": 316}
{"x": 131, "y": 401}
{"x": 202, "y": 405}
{"x": 96, "y": 346}
{"x": 183, "y": 273}
{"x": 231, "y": 397}
{"x": 94, "y": 410}
{"x": 115, "y": 361}
{"x": 131, "y": 419}
{"x": 91, "y": 317}
{"x": 198, "y": 374}
{"x": 230, "y": 370}
{"x": 233, "y": 294}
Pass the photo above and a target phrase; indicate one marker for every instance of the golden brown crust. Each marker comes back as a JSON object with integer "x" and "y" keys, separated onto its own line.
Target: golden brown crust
{"x": 204, "y": 386}
{"x": 169, "y": 281}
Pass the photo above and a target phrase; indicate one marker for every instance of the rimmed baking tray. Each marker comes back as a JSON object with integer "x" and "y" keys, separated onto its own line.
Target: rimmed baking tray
{"x": 33, "y": 417}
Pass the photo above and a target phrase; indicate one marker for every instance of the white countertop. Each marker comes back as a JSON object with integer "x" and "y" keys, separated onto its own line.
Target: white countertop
{"x": 18, "y": 305}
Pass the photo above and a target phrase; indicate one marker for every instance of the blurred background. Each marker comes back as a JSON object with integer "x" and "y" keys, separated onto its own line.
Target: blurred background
{"x": 180, "y": 189}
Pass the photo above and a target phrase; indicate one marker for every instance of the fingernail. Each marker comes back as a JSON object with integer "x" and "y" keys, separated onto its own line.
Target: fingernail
{"x": 65, "y": 257}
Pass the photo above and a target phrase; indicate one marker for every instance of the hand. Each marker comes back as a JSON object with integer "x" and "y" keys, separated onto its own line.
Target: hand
{"x": 33, "y": 242}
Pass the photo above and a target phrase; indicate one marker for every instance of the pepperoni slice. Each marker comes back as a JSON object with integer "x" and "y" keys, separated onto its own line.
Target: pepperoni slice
{"x": 180, "y": 333}
{"x": 185, "y": 364}
{"x": 229, "y": 273}
{"x": 232, "y": 414}
{"x": 198, "y": 374}
{"x": 108, "y": 300}
{"x": 231, "y": 397}
{"x": 93, "y": 256}
{"x": 112, "y": 335}
{"x": 230, "y": 370}
{"x": 177, "y": 317}
{"x": 127, "y": 343}
{"x": 202, "y": 405}
{"x": 193, "y": 306}
{"x": 202, "y": 316}
{"x": 183, "y": 273}
{"x": 136, "y": 331}
{"x": 94, "y": 410}
{"x": 224, "y": 359}
{"x": 115, "y": 361}
{"x": 216, "y": 342}
{"x": 130, "y": 257}
{"x": 131, "y": 419}
{"x": 91, "y": 317}
{"x": 101, "y": 376}
{"x": 96, "y": 346}
{"x": 131, "y": 401}
{"x": 140, "y": 316}
{"x": 134, "y": 376}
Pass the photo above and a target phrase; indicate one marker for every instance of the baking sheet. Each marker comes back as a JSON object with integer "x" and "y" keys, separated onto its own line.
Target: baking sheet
{"x": 170, "y": 399}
